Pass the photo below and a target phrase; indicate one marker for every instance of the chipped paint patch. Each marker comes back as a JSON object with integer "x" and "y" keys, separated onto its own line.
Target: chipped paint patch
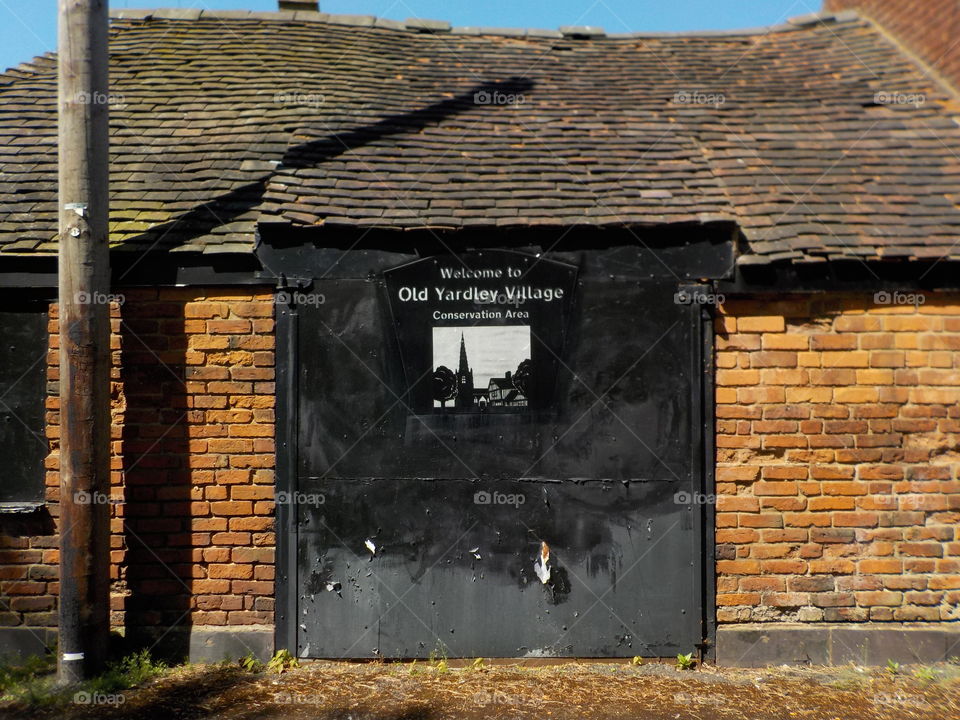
{"x": 541, "y": 566}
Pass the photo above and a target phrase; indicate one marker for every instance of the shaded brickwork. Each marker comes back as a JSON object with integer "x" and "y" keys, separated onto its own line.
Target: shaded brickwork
{"x": 192, "y": 468}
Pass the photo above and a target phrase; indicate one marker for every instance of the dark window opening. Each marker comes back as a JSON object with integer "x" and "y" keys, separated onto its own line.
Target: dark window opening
{"x": 23, "y": 380}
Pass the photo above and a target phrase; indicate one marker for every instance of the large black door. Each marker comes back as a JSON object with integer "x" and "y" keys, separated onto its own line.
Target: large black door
{"x": 497, "y": 455}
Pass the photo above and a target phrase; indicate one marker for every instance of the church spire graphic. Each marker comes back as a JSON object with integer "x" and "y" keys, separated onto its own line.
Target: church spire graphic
{"x": 464, "y": 378}
{"x": 464, "y": 366}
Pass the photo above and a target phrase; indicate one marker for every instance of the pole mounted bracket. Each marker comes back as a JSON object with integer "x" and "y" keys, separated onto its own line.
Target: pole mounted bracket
{"x": 76, "y": 222}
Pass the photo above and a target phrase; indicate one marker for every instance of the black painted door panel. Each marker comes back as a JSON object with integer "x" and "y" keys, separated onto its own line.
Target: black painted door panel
{"x": 561, "y": 529}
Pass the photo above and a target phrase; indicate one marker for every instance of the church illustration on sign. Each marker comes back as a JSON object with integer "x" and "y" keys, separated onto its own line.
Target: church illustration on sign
{"x": 458, "y": 390}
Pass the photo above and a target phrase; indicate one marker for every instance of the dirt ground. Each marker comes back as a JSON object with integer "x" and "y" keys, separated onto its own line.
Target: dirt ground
{"x": 346, "y": 691}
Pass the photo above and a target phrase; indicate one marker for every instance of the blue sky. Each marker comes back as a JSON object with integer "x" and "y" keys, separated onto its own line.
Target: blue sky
{"x": 29, "y": 28}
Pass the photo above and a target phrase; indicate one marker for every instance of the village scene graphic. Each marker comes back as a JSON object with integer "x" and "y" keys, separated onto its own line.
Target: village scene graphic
{"x": 481, "y": 368}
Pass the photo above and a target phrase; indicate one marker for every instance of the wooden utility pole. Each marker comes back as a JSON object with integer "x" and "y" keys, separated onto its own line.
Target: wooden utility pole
{"x": 84, "y": 339}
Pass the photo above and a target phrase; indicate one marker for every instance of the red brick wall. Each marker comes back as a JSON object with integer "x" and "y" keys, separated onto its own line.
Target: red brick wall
{"x": 192, "y": 467}
{"x": 838, "y": 462}
{"x": 928, "y": 28}
{"x": 838, "y": 467}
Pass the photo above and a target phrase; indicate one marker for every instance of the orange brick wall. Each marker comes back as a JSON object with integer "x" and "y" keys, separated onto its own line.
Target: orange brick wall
{"x": 192, "y": 467}
{"x": 838, "y": 463}
{"x": 838, "y": 466}
{"x": 928, "y": 28}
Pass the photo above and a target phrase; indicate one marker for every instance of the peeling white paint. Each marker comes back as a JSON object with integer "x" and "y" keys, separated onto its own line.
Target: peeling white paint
{"x": 541, "y": 566}
{"x": 540, "y": 653}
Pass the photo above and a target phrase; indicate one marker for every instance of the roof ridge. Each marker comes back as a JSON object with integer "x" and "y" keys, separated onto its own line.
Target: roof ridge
{"x": 421, "y": 25}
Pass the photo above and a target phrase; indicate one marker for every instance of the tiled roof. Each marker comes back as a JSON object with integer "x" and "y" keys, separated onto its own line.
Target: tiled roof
{"x": 819, "y": 137}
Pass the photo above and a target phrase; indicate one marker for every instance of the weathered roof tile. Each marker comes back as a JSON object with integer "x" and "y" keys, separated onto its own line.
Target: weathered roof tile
{"x": 819, "y": 138}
